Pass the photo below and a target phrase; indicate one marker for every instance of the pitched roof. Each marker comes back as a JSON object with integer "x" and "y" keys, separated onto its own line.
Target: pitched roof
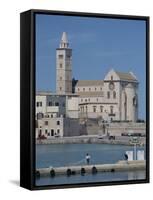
{"x": 126, "y": 76}
{"x": 89, "y": 83}
{"x": 91, "y": 94}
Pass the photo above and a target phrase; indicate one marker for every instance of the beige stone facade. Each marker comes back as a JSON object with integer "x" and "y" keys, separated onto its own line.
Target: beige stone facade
{"x": 114, "y": 99}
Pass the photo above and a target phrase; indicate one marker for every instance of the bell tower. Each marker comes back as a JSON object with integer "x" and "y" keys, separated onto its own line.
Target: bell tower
{"x": 64, "y": 67}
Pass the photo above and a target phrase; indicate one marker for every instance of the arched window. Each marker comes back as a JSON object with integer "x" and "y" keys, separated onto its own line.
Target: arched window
{"x": 52, "y": 132}
{"x": 135, "y": 101}
{"x": 58, "y": 122}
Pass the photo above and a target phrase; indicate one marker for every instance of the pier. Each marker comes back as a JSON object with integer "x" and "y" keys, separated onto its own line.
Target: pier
{"x": 92, "y": 169}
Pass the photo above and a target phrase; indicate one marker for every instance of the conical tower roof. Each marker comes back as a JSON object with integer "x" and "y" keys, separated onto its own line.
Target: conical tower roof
{"x": 64, "y": 41}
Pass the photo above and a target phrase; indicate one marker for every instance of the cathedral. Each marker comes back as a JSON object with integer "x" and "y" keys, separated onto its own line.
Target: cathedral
{"x": 59, "y": 114}
{"x": 114, "y": 98}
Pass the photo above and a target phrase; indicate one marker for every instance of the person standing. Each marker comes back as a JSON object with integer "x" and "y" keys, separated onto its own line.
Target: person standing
{"x": 88, "y": 157}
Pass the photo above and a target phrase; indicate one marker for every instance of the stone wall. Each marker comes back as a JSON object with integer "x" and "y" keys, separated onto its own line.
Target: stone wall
{"x": 94, "y": 128}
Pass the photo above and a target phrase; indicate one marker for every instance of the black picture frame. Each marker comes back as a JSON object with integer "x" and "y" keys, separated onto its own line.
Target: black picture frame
{"x": 27, "y": 98}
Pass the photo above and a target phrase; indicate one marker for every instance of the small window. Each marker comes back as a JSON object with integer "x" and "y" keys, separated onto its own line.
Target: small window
{"x": 95, "y": 89}
{"x": 50, "y": 103}
{"x": 40, "y": 104}
{"x": 46, "y": 131}
{"x": 60, "y": 65}
{"x": 111, "y": 109}
{"x": 60, "y": 78}
{"x": 108, "y": 95}
{"x": 94, "y": 108}
{"x": 114, "y": 94}
{"x": 68, "y": 56}
{"x": 97, "y": 99}
{"x": 85, "y": 100}
{"x": 81, "y": 100}
{"x": 101, "y": 109}
{"x": 52, "y": 132}
{"x": 56, "y": 104}
{"x": 111, "y": 77}
{"x": 60, "y": 88}
{"x": 46, "y": 123}
{"x": 63, "y": 104}
{"x": 101, "y": 88}
{"x": 134, "y": 101}
{"x": 48, "y": 134}
{"x": 37, "y": 104}
{"x": 60, "y": 56}
{"x": 58, "y": 131}
{"x": 83, "y": 89}
{"x": 89, "y": 89}
{"x": 78, "y": 89}
{"x": 82, "y": 109}
{"x": 89, "y": 100}
{"x": 58, "y": 122}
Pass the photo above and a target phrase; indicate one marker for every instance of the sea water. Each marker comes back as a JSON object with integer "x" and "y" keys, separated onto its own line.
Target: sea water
{"x": 59, "y": 155}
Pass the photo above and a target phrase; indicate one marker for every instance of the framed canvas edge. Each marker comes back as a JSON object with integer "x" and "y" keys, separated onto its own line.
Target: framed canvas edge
{"x": 32, "y": 92}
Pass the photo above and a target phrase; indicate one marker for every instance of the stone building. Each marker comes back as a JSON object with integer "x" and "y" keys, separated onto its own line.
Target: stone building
{"x": 115, "y": 98}
{"x": 57, "y": 127}
{"x": 56, "y": 105}
{"x": 56, "y": 115}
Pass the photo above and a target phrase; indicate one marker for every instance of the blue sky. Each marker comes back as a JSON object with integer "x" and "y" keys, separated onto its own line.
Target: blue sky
{"x": 98, "y": 46}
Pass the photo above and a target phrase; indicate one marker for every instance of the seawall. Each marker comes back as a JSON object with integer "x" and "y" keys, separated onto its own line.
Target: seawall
{"x": 92, "y": 169}
{"x": 87, "y": 140}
